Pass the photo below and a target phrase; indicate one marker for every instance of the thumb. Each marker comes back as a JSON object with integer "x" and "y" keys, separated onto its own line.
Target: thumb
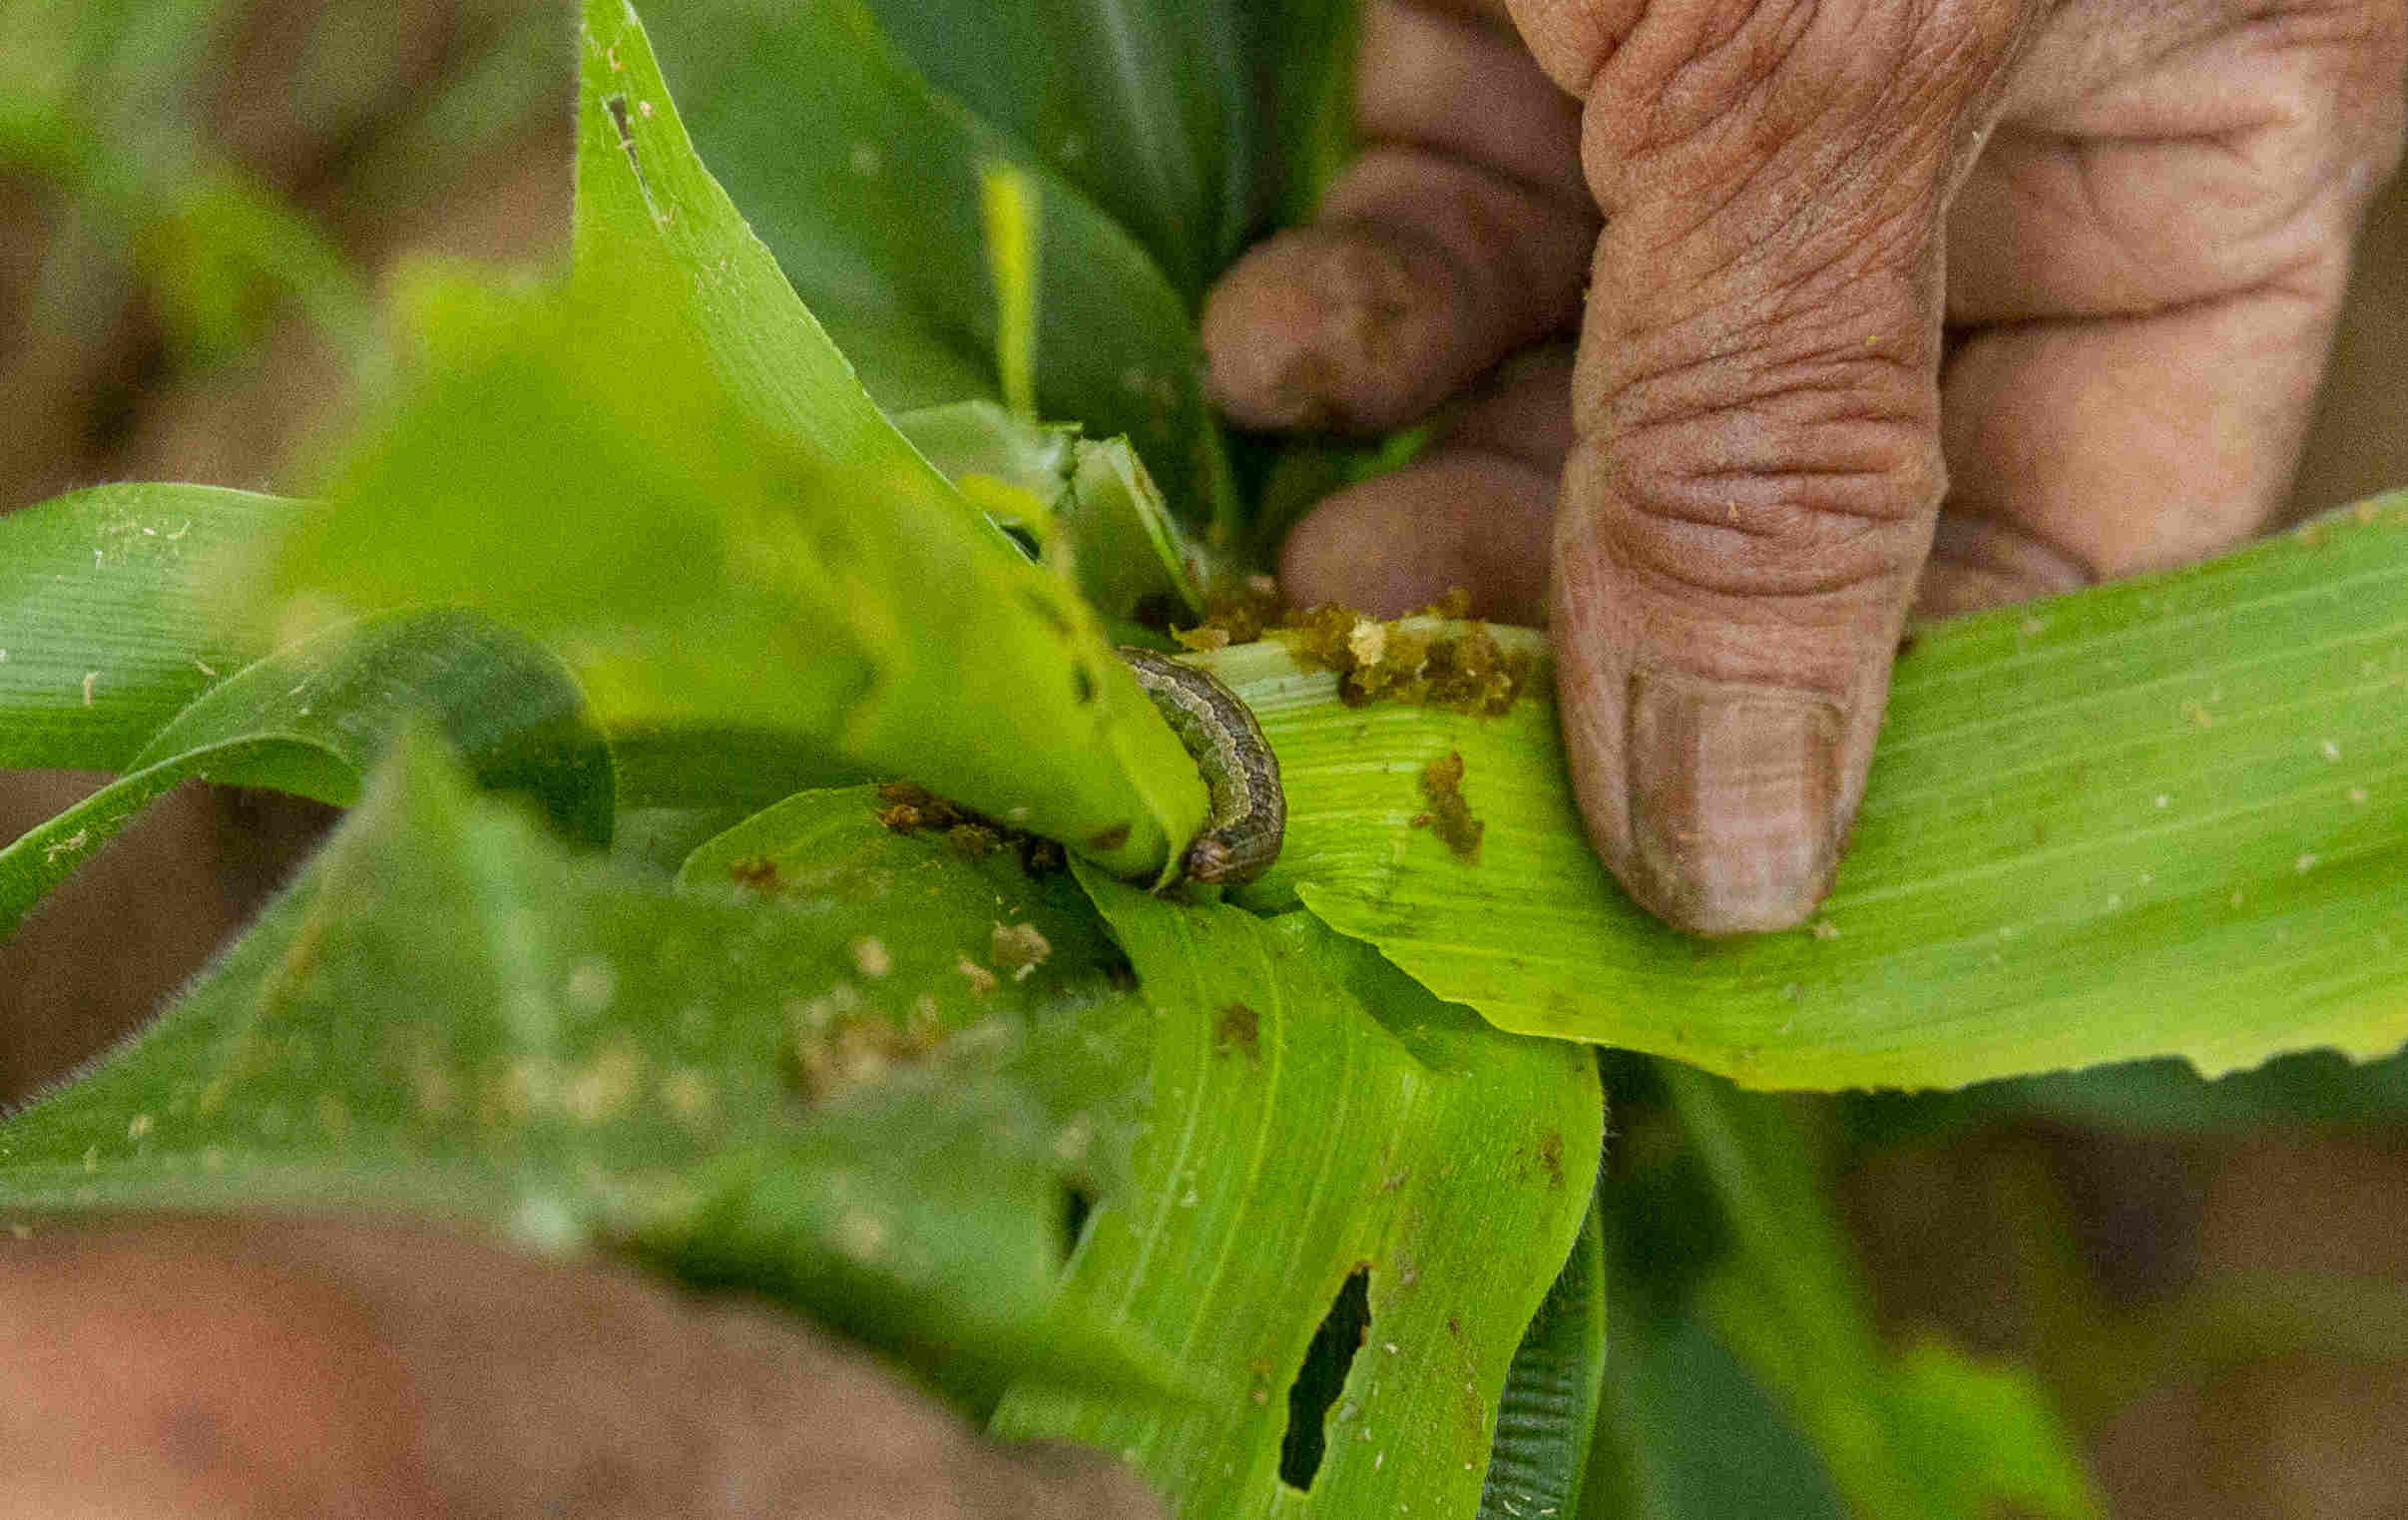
{"x": 1757, "y": 466}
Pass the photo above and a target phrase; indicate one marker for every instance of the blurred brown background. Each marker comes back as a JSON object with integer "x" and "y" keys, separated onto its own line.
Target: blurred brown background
{"x": 401, "y": 128}
{"x": 407, "y": 127}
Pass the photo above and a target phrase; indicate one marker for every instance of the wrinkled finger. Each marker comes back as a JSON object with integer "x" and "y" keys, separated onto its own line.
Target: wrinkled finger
{"x": 211, "y": 1369}
{"x": 1749, "y": 506}
{"x": 1460, "y": 234}
{"x": 1459, "y": 518}
{"x": 1473, "y": 512}
{"x": 2146, "y": 275}
{"x": 2126, "y": 445}
{"x": 1476, "y": 513}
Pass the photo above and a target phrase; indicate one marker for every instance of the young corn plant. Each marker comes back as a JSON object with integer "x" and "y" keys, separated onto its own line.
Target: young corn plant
{"x": 762, "y": 864}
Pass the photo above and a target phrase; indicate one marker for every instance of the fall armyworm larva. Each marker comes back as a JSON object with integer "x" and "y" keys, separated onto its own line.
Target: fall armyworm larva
{"x": 1241, "y": 775}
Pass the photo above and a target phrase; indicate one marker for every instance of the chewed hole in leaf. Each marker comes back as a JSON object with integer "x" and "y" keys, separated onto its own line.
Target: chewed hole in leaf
{"x": 1321, "y": 1378}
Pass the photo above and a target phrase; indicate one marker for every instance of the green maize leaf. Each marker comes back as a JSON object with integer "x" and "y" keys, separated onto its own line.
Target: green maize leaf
{"x": 1305, "y": 125}
{"x": 1689, "y": 1435}
{"x": 1008, "y": 201}
{"x": 106, "y": 629}
{"x": 2154, "y": 1098}
{"x": 869, "y": 184}
{"x": 314, "y": 718}
{"x": 1351, "y": 1200}
{"x": 1133, "y": 553}
{"x": 828, "y": 854}
{"x": 753, "y": 546}
{"x": 2167, "y": 817}
{"x": 981, "y": 439}
{"x": 1091, "y": 506}
{"x": 448, "y": 1015}
{"x": 1924, "y": 1433}
{"x": 906, "y": 368}
{"x": 742, "y": 768}
{"x": 645, "y": 198}
{"x": 940, "y": 938}
{"x": 1141, "y": 104}
{"x": 655, "y": 840}
{"x": 1550, "y": 1411}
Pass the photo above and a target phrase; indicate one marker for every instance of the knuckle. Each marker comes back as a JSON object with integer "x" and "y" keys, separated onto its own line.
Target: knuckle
{"x": 2322, "y": 104}
{"x": 1727, "y": 85}
{"x": 2282, "y": 124}
{"x": 1767, "y": 535}
{"x": 1693, "y": 571}
{"x": 1809, "y": 559}
{"x": 1820, "y": 484}
{"x": 1572, "y": 38}
{"x": 1518, "y": 249}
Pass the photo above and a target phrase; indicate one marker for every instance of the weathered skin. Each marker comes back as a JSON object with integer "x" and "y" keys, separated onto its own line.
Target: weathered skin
{"x": 213, "y": 1369}
{"x": 2069, "y": 271}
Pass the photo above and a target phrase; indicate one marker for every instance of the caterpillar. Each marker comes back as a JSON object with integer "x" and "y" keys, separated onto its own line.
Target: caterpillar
{"x": 1241, "y": 775}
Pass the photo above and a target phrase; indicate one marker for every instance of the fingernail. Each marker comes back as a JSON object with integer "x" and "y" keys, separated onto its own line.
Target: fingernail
{"x": 1733, "y": 789}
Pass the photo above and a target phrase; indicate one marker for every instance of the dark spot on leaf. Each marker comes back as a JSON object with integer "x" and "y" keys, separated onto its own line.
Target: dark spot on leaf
{"x": 910, "y": 808}
{"x": 1238, "y": 1028}
{"x": 1907, "y": 642}
{"x": 1110, "y": 840}
{"x": 1454, "y": 1326}
{"x": 1077, "y": 1206}
{"x": 1322, "y": 1378}
{"x": 1551, "y": 1156}
{"x": 1156, "y": 609}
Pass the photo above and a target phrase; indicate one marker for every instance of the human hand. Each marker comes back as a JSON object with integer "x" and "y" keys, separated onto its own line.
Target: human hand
{"x": 197, "y": 1369}
{"x": 2072, "y": 266}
